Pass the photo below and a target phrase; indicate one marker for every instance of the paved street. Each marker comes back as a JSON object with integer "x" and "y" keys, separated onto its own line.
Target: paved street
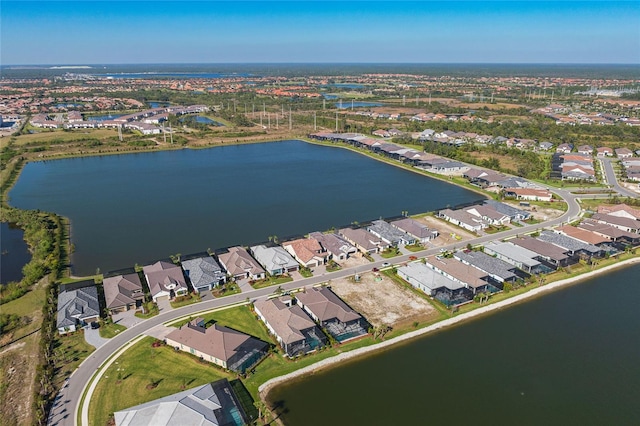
{"x": 80, "y": 378}
{"x": 610, "y": 175}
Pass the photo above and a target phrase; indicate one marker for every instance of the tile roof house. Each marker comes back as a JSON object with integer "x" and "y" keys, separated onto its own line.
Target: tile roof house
{"x": 529, "y": 194}
{"x": 470, "y": 277}
{"x": 204, "y": 273}
{"x": 364, "y": 240}
{"x": 332, "y": 313}
{"x": 582, "y": 235}
{"x": 624, "y": 223}
{"x": 564, "y": 148}
{"x": 294, "y": 330}
{"x": 620, "y": 210}
{"x": 307, "y": 251}
{"x": 390, "y": 234}
{"x": 122, "y": 292}
{"x": 604, "y": 151}
{"x": 585, "y": 149}
{"x": 213, "y": 404}
{"x": 546, "y": 251}
{"x": 624, "y": 153}
{"x": 571, "y": 245}
{"x": 77, "y": 305}
{"x": 240, "y": 265}
{"x": 610, "y": 232}
{"x": 275, "y": 260}
{"x": 419, "y": 230}
{"x": 337, "y": 247}
{"x": 220, "y": 345}
{"x": 165, "y": 280}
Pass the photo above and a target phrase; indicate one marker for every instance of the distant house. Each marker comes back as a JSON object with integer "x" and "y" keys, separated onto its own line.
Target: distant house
{"x": 123, "y": 292}
{"x": 604, "y": 151}
{"x": 165, "y": 280}
{"x": 489, "y": 215}
{"x": 382, "y": 133}
{"x": 337, "y": 247}
{"x": 624, "y": 223}
{"x": 307, "y": 251}
{"x": 545, "y": 146}
{"x": 620, "y": 210}
{"x": 204, "y": 273}
{"x": 240, "y": 265}
{"x": 78, "y": 305}
{"x": 333, "y": 315}
{"x": 213, "y": 404}
{"x": 275, "y": 260}
{"x": 220, "y": 345}
{"x": 585, "y": 149}
{"x": 529, "y": 194}
{"x": 418, "y": 230}
{"x": 294, "y": 330}
{"x": 624, "y": 153}
{"x": 564, "y": 148}
{"x": 514, "y": 213}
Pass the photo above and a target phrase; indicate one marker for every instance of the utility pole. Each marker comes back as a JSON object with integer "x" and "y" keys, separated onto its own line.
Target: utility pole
{"x": 315, "y": 127}
{"x": 336, "y": 121}
{"x": 290, "y": 124}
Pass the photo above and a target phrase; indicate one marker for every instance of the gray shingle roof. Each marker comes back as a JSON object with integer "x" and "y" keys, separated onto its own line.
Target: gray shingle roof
{"x": 203, "y": 271}
{"x": 415, "y": 228}
{"x": 388, "y": 233}
{"x": 77, "y": 304}
{"x": 488, "y": 264}
{"x": 273, "y": 258}
{"x": 567, "y": 243}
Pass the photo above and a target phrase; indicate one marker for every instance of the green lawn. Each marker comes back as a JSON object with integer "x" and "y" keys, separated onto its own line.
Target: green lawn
{"x": 226, "y": 290}
{"x": 269, "y": 281}
{"x": 185, "y": 300}
{"x": 69, "y": 351}
{"x": 414, "y": 247}
{"x": 239, "y": 318}
{"x": 129, "y": 380}
{"x": 109, "y": 330}
{"x": 389, "y": 253}
{"x": 306, "y": 272}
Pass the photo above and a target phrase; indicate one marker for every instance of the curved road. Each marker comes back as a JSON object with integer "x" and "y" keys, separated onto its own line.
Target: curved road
{"x": 610, "y": 175}
{"x": 66, "y": 406}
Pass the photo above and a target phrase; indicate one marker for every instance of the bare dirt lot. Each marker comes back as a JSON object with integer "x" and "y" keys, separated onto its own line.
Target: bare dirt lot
{"x": 382, "y": 301}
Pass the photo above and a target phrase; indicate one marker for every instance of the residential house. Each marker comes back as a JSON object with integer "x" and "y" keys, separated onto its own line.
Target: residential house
{"x": 620, "y": 210}
{"x": 547, "y": 252}
{"x": 390, "y": 234}
{"x": 332, "y": 313}
{"x": 240, "y": 265}
{"x": 489, "y": 215}
{"x": 337, "y": 247}
{"x": 545, "y": 146}
{"x": 78, "y": 305}
{"x": 428, "y": 280}
{"x": 529, "y": 194}
{"x": 220, "y": 345}
{"x": 165, "y": 280}
{"x": 363, "y": 240}
{"x": 624, "y": 153}
{"x": 623, "y": 223}
{"x": 307, "y": 251}
{"x": 499, "y": 270}
{"x": 418, "y": 230}
{"x": 204, "y": 273}
{"x": 123, "y": 292}
{"x": 382, "y": 133}
{"x": 294, "y": 330}
{"x": 612, "y": 233}
{"x": 514, "y": 213}
{"x": 463, "y": 219}
{"x": 213, "y": 404}
{"x": 571, "y": 245}
{"x": 470, "y": 277}
{"x": 275, "y": 260}
{"x": 518, "y": 256}
{"x": 564, "y": 148}
{"x": 604, "y": 151}
{"x": 585, "y": 149}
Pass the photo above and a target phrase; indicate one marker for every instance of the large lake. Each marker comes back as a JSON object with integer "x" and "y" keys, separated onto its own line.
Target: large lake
{"x": 137, "y": 208}
{"x": 568, "y": 358}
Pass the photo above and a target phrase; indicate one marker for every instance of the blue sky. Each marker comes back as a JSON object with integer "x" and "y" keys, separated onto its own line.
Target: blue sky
{"x": 94, "y": 32}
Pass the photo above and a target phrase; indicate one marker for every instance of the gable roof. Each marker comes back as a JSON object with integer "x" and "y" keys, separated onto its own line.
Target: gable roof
{"x": 326, "y": 305}
{"x": 273, "y": 258}
{"x": 333, "y": 243}
{"x": 305, "y": 249}
{"x": 415, "y": 228}
{"x": 164, "y": 276}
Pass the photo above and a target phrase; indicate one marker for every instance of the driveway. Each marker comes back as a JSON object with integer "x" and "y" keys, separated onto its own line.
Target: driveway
{"x": 244, "y": 285}
{"x": 160, "y": 331}
{"x": 93, "y": 337}
{"x": 164, "y": 305}
{"x": 127, "y": 319}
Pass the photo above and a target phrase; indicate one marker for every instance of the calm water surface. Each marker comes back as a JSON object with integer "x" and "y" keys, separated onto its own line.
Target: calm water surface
{"x": 15, "y": 253}
{"x": 137, "y": 208}
{"x": 568, "y": 358}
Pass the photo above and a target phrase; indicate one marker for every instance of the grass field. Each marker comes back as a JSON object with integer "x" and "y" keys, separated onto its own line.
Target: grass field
{"x": 61, "y": 136}
{"x": 145, "y": 373}
{"x": 109, "y": 330}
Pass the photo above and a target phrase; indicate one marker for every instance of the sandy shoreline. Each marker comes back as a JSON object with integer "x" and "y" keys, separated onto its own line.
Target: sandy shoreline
{"x": 264, "y": 389}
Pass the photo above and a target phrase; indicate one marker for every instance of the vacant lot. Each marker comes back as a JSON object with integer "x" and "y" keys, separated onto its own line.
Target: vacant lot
{"x": 448, "y": 232}
{"x": 382, "y": 301}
